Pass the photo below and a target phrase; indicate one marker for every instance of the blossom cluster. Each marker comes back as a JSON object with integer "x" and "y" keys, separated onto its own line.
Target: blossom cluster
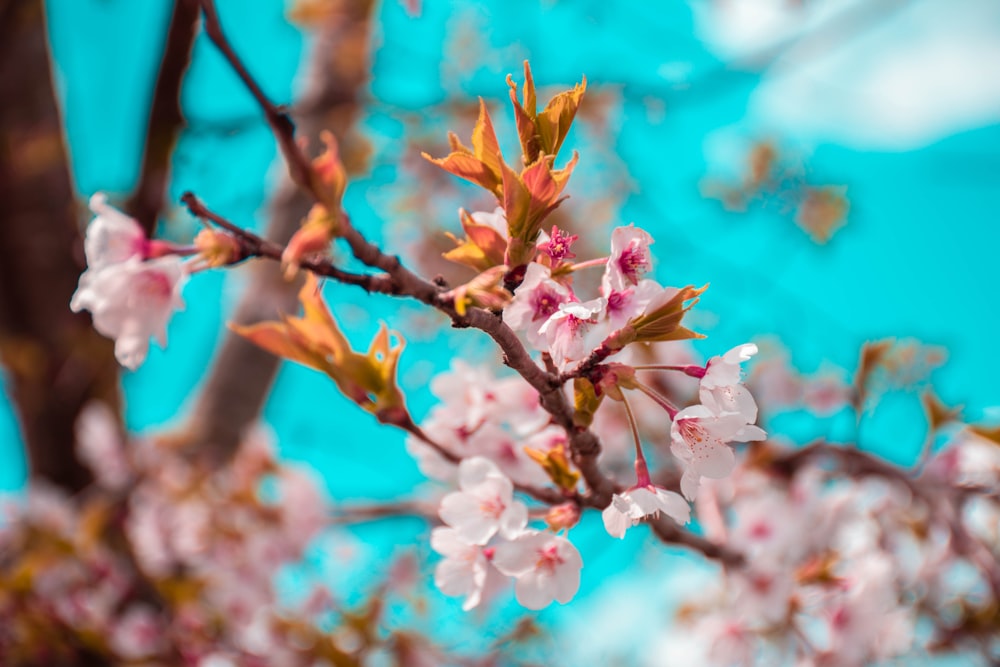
{"x": 162, "y": 561}
{"x": 845, "y": 572}
{"x": 486, "y": 535}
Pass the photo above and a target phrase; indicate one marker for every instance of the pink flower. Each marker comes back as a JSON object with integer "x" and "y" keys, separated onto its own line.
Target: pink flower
{"x": 558, "y": 245}
{"x": 535, "y": 300}
{"x": 546, "y": 566}
{"x": 130, "y": 298}
{"x": 630, "y": 302}
{"x": 629, "y": 259}
{"x": 100, "y": 446}
{"x": 112, "y": 237}
{"x": 570, "y": 332}
{"x": 132, "y": 301}
{"x": 629, "y": 508}
{"x": 725, "y": 370}
{"x": 464, "y": 570}
{"x": 137, "y": 634}
{"x": 485, "y": 505}
{"x": 699, "y": 438}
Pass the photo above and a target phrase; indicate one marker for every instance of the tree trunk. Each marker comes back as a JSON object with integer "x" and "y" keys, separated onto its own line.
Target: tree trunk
{"x": 55, "y": 361}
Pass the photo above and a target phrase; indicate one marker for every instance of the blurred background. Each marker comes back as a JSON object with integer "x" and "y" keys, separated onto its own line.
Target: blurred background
{"x": 830, "y": 167}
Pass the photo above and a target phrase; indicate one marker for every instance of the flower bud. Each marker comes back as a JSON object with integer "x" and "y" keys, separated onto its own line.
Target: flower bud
{"x": 217, "y": 248}
{"x": 563, "y": 517}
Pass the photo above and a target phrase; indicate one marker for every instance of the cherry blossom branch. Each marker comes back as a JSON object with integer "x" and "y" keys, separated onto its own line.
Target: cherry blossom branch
{"x": 252, "y": 245}
{"x": 350, "y": 514}
{"x": 400, "y": 281}
{"x": 237, "y": 384}
{"x": 942, "y": 499}
{"x": 671, "y": 533}
{"x": 279, "y": 120}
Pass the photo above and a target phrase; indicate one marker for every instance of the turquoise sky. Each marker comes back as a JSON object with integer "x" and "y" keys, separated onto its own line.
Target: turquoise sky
{"x": 688, "y": 94}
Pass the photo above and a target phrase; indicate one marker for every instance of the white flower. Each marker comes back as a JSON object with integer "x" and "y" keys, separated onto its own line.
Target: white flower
{"x": 485, "y": 504}
{"x": 547, "y": 568}
{"x": 132, "y": 301}
{"x": 463, "y": 571}
{"x": 699, "y": 438}
{"x": 570, "y": 332}
{"x": 627, "y": 509}
{"x": 112, "y": 237}
{"x": 720, "y": 389}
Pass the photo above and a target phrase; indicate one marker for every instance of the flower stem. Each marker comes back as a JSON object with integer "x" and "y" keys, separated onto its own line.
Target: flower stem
{"x": 641, "y": 469}
{"x": 671, "y": 409}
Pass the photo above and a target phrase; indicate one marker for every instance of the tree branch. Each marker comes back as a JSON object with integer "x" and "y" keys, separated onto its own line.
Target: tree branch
{"x": 165, "y": 118}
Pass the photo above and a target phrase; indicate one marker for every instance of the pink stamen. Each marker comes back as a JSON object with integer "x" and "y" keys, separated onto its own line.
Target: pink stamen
{"x": 549, "y": 559}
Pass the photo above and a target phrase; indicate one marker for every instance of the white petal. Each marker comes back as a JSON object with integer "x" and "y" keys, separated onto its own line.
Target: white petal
{"x": 673, "y": 505}
{"x": 616, "y": 517}
{"x": 475, "y": 470}
{"x": 690, "y": 481}
{"x": 713, "y": 459}
{"x": 513, "y": 520}
{"x": 535, "y": 590}
{"x": 461, "y": 511}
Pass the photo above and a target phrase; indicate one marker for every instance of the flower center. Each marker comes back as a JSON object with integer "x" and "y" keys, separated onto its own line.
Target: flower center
{"x": 492, "y": 507}
{"x": 633, "y": 260}
{"x": 544, "y": 303}
{"x": 549, "y": 559}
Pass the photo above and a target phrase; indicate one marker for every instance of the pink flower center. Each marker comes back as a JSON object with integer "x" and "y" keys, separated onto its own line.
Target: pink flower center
{"x": 544, "y": 302}
{"x": 761, "y": 530}
{"x": 549, "y": 559}
{"x": 558, "y": 245}
{"x": 632, "y": 261}
{"x": 692, "y": 431}
{"x": 154, "y": 285}
{"x": 618, "y": 300}
{"x": 492, "y": 507}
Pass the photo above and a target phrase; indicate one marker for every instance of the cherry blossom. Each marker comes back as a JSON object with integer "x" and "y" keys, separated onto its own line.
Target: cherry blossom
{"x": 485, "y": 505}
{"x": 699, "y": 438}
{"x": 138, "y": 634}
{"x": 570, "y": 332}
{"x": 465, "y": 568}
{"x": 100, "y": 446}
{"x": 112, "y": 237}
{"x": 629, "y": 260}
{"x": 629, "y": 508}
{"x": 546, "y": 566}
{"x": 630, "y": 302}
{"x": 557, "y": 245}
{"x": 131, "y": 302}
{"x": 535, "y": 301}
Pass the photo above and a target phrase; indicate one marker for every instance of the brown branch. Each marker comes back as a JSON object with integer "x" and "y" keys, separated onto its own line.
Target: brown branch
{"x": 357, "y": 513}
{"x": 280, "y": 122}
{"x": 238, "y": 382}
{"x": 165, "y": 118}
{"x": 584, "y": 445}
{"x": 400, "y": 281}
{"x": 671, "y": 533}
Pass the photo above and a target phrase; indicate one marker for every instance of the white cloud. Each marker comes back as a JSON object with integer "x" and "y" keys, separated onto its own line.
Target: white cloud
{"x": 911, "y": 77}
